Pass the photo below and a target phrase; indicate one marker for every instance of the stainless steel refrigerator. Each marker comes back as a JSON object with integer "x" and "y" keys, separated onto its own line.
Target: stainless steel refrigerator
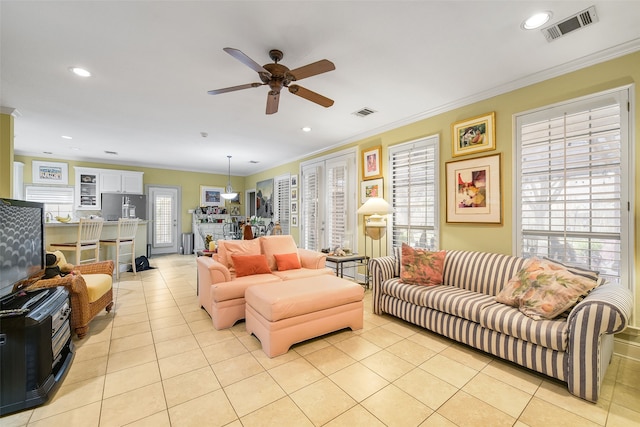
{"x": 118, "y": 205}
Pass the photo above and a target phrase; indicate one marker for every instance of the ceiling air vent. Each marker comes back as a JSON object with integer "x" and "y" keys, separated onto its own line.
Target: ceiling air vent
{"x": 113, "y": 153}
{"x": 364, "y": 112}
{"x": 575, "y": 22}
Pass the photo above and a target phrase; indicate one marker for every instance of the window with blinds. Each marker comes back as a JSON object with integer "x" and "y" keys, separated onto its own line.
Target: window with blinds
{"x": 414, "y": 193}
{"x": 58, "y": 201}
{"x": 336, "y": 203}
{"x": 162, "y": 224}
{"x": 282, "y": 202}
{"x": 310, "y": 189}
{"x": 572, "y": 200}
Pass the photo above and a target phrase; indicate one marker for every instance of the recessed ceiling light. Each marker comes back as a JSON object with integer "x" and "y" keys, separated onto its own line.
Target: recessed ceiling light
{"x": 537, "y": 20}
{"x": 75, "y": 148}
{"x": 306, "y": 129}
{"x": 80, "y": 71}
{"x": 66, "y": 137}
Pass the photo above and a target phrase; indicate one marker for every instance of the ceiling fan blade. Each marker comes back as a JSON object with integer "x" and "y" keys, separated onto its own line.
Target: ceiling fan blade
{"x": 240, "y": 56}
{"x": 273, "y": 99}
{"x": 313, "y": 69}
{"x": 233, "y": 88}
{"x": 311, "y": 95}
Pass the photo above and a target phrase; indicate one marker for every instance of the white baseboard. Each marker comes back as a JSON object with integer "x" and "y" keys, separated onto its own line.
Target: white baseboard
{"x": 627, "y": 349}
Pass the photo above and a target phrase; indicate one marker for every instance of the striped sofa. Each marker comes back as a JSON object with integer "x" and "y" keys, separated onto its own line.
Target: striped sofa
{"x": 576, "y": 349}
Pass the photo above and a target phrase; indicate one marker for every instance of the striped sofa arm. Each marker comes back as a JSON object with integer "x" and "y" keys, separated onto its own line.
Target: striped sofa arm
{"x": 380, "y": 270}
{"x": 605, "y": 311}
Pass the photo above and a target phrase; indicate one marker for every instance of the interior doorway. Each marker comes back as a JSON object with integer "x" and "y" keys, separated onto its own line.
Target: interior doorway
{"x": 250, "y": 203}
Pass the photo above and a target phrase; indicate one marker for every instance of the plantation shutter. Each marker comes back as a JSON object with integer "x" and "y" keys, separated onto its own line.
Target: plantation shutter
{"x": 571, "y": 184}
{"x": 282, "y": 202}
{"x": 414, "y": 193}
{"x": 336, "y": 203}
{"x": 309, "y": 220}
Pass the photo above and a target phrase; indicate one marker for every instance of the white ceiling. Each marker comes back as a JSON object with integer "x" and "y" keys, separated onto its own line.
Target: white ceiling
{"x": 154, "y": 61}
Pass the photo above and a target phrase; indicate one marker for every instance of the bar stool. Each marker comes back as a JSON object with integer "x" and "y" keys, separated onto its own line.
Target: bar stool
{"x": 88, "y": 236}
{"x": 127, "y": 229}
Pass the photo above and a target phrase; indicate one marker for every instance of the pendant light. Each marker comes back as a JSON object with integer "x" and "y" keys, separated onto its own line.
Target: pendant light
{"x": 228, "y": 191}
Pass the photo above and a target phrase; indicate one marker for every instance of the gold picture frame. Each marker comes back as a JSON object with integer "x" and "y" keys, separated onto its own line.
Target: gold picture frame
{"x": 372, "y": 163}
{"x": 474, "y": 190}
{"x": 474, "y": 135}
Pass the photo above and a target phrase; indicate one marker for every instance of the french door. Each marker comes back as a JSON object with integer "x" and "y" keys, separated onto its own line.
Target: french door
{"x": 328, "y": 202}
{"x": 163, "y": 213}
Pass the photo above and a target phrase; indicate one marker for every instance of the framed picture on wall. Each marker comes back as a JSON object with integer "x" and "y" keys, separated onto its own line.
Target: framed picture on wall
{"x": 50, "y": 172}
{"x": 474, "y": 190}
{"x": 372, "y": 163}
{"x": 371, "y": 188}
{"x": 294, "y": 181}
{"x": 211, "y": 196}
{"x": 474, "y": 135}
{"x": 294, "y": 220}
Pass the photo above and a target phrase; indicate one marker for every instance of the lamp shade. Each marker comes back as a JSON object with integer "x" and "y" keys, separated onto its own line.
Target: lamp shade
{"x": 375, "y": 206}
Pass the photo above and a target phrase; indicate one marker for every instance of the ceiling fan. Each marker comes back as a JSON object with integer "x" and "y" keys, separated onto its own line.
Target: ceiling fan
{"x": 278, "y": 76}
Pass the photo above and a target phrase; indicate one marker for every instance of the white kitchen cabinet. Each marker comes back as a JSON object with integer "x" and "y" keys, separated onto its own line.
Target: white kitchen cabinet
{"x": 87, "y": 188}
{"x": 116, "y": 181}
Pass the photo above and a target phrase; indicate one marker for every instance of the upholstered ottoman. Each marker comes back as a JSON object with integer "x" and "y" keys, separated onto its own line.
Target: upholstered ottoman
{"x": 284, "y": 313}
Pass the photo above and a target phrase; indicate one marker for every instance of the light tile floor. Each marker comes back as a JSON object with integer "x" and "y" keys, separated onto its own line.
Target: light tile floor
{"x": 158, "y": 361}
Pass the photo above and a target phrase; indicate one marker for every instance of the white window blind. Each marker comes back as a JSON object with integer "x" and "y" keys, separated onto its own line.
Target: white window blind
{"x": 282, "y": 202}
{"x": 570, "y": 184}
{"x": 310, "y": 189}
{"x": 414, "y": 193}
{"x": 337, "y": 186}
{"x": 162, "y": 220}
{"x": 49, "y": 195}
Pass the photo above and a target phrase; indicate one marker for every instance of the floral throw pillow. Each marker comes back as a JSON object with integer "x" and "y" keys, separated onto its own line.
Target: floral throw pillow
{"x": 544, "y": 289}
{"x": 421, "y": 267}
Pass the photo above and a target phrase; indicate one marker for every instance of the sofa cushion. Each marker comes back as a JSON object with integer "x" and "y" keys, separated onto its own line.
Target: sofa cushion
{"x": 411, "y": 293}
{"x": 226, "y": 248}
{"x": 543, "y": 289}
{"x": 235, "y": 289}
{"x": 272, "y": 245}
{"x": 421, "y": 267}
{"x": 248, "y": 265}
{"x": 287, "y": 261}
{"x": 301, "y": 273}
{"x": 508, "y": 320}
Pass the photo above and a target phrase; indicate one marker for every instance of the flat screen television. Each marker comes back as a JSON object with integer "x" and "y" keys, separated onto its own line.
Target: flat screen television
{"x": 22, "y": 251}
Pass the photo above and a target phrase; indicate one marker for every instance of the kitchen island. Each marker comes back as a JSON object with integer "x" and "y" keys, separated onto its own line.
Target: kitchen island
{"x": 60, "y": 232}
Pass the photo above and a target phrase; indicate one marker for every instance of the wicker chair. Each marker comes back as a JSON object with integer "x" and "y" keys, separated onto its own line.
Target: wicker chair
{"x": 82, "y": 310}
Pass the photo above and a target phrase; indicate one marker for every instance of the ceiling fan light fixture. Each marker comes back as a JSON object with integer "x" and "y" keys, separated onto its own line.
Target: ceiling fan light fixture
{"x": 228, "y": 191}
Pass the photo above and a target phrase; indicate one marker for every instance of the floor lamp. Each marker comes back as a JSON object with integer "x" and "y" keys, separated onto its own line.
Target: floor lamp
{"x": 375, "y": 211}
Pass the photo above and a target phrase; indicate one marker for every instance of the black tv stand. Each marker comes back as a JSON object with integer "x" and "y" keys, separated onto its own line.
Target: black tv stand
{"x": 35, "y": 347}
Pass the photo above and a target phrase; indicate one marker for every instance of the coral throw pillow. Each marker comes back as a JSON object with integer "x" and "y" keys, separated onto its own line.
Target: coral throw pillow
{"x": 544, "y": 289}
{"x": 272, "y": 245}
{"x": 248, "y": 265}
{"x": 421, "y": 267}
{"x": 287, "y": 261}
